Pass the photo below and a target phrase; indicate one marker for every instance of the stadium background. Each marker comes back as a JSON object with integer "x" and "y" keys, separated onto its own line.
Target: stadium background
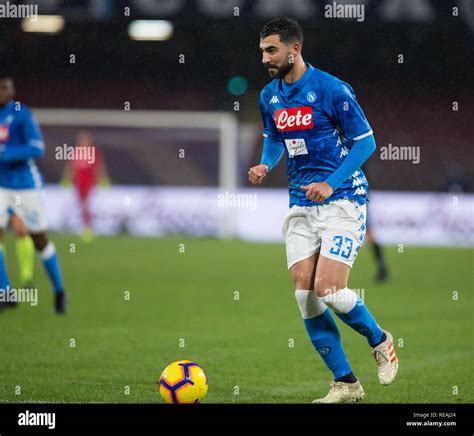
{"x": 190, "y": 288}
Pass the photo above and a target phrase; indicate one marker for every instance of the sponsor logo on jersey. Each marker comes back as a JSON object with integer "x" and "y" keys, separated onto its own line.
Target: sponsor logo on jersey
{"x": 274, "y": 99}
{"x": 295, "y": 118}
{"x": 296, "y": 147}
{"x": 4, "y": 135}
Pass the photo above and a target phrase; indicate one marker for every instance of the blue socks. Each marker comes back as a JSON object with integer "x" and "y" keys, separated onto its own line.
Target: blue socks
{"x": 352, "y": 311}
{"x": 324, "y": 335}
{"x": 51, "y": 265}
{"x": 50, "y": 262}
{"x": 362, "y": 321}
{"x": 4, "y": 280}
{"x": 323, "y": 332}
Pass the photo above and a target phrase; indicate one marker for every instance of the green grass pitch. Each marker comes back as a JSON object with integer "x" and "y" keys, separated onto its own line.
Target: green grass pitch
{"x": 233, "y": 304}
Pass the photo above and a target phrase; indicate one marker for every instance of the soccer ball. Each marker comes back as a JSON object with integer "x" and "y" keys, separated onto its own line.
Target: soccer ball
{"x": 183, "y": 382}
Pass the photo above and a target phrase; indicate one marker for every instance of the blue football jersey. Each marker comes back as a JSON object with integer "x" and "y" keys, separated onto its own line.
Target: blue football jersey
{"x": 21, "y": 142}
{"x": 316, "y": 120}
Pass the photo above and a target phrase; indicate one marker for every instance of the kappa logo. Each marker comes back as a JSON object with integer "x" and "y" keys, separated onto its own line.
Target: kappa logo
{"x": 274, "y": 100}
{"x": 324, "y": 351}
{"x": 295, "y": 118}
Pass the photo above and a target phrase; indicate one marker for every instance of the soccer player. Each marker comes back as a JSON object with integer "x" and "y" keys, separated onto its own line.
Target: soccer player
{"x": 377, "y": 250}
{"x": 315, "y": 119}
{"x": 21, "y": 142}
{"x": 85, "y": 172}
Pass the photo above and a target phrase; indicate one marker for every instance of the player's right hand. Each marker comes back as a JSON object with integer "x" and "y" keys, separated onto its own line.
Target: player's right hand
{"x": 257, "y": 174}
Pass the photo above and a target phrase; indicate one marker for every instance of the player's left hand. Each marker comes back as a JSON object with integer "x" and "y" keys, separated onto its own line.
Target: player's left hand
{"x": 318, "y": 191}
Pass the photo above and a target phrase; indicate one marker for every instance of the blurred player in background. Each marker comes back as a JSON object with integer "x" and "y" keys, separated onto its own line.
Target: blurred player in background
{"x": 377, "y": 250}
{"x": 21, "y": 141}
{"x": 85, "y": 172}
{"x": 315, "y": 119}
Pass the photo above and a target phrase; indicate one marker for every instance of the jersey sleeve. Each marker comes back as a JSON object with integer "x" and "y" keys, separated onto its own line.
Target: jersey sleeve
{"x": 359, "y": 153}
{"x": 273, "y": 147}
{"x": 31, "y": 131}
{"x": 32, "y": 143}
{"x": 345, "y": 111}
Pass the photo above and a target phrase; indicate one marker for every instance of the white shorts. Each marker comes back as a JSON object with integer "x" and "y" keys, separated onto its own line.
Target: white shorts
{"x": 336, "y": 230}
{"x": 27, "y": 204}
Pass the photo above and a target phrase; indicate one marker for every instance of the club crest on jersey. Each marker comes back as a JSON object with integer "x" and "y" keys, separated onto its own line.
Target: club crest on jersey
{"x": 295, "y": 118}
{"x": 311, "y": 96}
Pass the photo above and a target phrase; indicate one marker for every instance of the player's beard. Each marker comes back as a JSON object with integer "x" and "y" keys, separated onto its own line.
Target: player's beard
{"x": 281, "y": 71}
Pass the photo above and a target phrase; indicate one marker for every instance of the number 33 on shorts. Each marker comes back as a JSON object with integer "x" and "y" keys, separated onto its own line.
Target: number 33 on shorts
{"x": 342, "y": 246}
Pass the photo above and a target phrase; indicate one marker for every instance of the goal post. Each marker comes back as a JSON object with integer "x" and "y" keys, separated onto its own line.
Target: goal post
{"x": 225, "y": 123}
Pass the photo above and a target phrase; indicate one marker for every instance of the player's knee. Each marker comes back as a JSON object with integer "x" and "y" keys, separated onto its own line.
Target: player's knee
{"x": 40, "y": 241}
{"x": 302, "y": 280}
{"x": 324, "y": 285}
{"x": 302, "y": 284}
{"x": 21, "y": 231}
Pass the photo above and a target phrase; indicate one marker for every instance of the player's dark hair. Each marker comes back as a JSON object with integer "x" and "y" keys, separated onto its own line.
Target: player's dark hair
{"x": 286, "y": 28}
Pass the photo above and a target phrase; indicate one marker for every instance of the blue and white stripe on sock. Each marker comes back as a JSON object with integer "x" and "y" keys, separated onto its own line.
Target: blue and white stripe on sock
{"x": 51, "y": 264}
{"x": 323, "y": 332}
{"x": 352, "y": 311}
